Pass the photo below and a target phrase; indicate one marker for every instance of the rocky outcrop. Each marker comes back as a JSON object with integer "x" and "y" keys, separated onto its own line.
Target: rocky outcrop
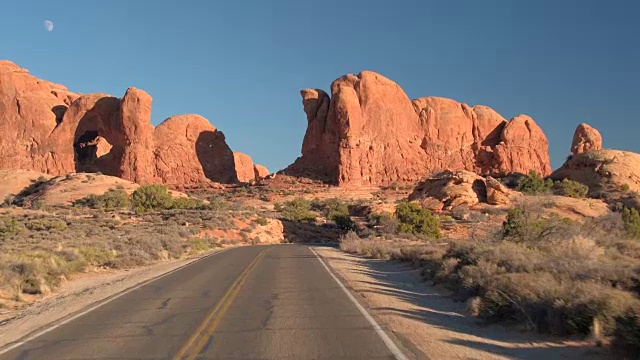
{"x": 604, "y": 171}
{"x": 243, "y": 167}
{"x": 46, "y": 128}
{"x": 260, "y": 172}
{"x": 497, "y": 194}
{"x": 368, "y": 132}
{"x": 586, "y": 138}
{"x": 450, "y": 189}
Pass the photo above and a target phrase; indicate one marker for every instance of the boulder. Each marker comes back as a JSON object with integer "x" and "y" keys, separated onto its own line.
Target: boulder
{"x": 260, "y": 172}
{"x": 368, "y": 132}
{"x": 497, "y": 194}
{"x": 49, "y": 129}
{"x": 585, "y": 138}
{"x": 450, "y": 189}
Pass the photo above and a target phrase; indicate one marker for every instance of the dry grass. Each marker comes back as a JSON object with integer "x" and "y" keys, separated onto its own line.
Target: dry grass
{"x": 39, "y": 251}
{"x": 580, "y": 278}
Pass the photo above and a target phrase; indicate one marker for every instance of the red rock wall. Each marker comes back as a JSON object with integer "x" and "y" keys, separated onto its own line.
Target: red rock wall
{"x": 370, "y": 133}
{"x": 46, "y": 128}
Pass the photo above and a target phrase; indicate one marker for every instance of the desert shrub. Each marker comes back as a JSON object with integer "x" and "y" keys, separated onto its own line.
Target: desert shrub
{"x": 523, "y": 223}
{"x": 218, "y": 203}
{"x": 112, "y": 199}
{"x": 416, "y": 220}
{"x": 199, "y": 245}
{"x": 187, "y": 204}
{"x": 534, "y": 184}
{"x": 37, "y": 205}
{"x": 344, "y": 222}
{"x": 96, "y": 256}
{"x": 9, "y": 200}
{"x": 151, "y": 197}
{"x": 626, "y": 336}
{"x": 29, "y": 190}
{"x": 625, "y": 187}
{"x": 570, "y": 188}
{"x": 571, "y": 280}
{"x": 262, "y": 221}
{"x": 545, "y": 303}
{"x": 386, "y": 223}
{"x": 9, "y": 226}
{"x": 631, "y": 220}
{"x": 297, "y": 209}
{"x": 331, "y": 208}
{"x": 46, "y": 224}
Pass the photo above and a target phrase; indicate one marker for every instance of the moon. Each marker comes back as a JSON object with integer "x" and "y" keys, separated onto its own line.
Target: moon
{"x": 48, "y": 25}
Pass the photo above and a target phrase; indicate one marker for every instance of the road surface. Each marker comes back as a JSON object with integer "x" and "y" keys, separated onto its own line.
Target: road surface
{"x": 257, "y": 302}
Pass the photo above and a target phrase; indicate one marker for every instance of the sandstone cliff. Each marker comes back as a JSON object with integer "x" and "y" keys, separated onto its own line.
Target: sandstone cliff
{"x": 46, "y": 128}
{"x": 368, "y": 132}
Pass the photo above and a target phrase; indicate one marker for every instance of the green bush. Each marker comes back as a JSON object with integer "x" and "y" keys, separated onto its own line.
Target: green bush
{"x": 570, "y": 188}
{"x": 9, "y": 226}
{"x": 262, "y": 221}
{"x": 413, "y": 219}
{"x": 112, "y": 199}
{"x": 631, "y": 220}
{"x": 525, "y": 224}
{"x": 96, "y": 256}
{"x": 297, "y": 209}
{"x": 218, "y": 203}
{"x": 534, "y": 184}
{"x": 344, "y": 222}
{"x": 188, "y": 204}
{"x": 332, "y": 208}
{"x": 199, "y": 245}
{"x": 151, "y": 197}
{"x": 46, "y": 225}
{"x": 625, "y": 187}
{"x": 386, "y": 223}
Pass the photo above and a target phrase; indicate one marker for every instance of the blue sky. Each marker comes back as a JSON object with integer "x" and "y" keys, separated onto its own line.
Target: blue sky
{"x": 241, "y": 64}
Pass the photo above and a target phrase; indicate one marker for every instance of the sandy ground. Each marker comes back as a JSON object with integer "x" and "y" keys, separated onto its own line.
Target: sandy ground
{"x": 433, "y": 326}
{"x": 79, "y": 293}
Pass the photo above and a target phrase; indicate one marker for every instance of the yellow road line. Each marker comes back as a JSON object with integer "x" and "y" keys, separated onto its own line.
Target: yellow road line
{"x": 199, "y": 338}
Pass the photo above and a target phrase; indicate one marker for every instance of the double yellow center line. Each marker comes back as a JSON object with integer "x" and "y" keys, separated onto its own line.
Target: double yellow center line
{"x": 200, "y": 337}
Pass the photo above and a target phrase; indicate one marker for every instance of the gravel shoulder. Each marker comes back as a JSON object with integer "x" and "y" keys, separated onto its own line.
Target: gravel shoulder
{"x": 431, "y": 324}
{"x": 82, "y": 291}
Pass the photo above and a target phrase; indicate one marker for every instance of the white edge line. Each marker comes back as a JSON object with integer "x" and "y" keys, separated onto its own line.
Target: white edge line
{"x": 383, "y": 335}
{"x": 113, "y": 297}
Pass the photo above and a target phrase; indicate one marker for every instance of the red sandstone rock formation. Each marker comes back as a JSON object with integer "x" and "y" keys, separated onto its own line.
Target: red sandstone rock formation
{"x": 370, "y": 133}
{"x": 586, "y": 138}
{"x": 243, "y": 166}
{"x": 260, "y": 171}
{"x": 46, "y": 128}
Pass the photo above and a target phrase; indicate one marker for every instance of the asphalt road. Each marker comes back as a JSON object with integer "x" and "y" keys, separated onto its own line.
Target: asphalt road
{"x": 257, "y": 302}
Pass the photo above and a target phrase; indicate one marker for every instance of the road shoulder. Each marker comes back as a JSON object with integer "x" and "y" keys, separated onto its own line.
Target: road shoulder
{"x": 83, "y": 291}
{"x": 431, "y": 324}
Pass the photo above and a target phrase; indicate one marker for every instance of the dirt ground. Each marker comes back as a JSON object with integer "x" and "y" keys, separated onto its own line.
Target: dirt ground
{"x": 431, "y": 324}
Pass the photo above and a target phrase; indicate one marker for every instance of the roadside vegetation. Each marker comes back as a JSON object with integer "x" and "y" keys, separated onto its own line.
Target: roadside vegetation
{"x": 40, "y": 250}
{"x": 534, "y": 184}
{"x": 302, "y": 210}
{"x": 538, "y": 270}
